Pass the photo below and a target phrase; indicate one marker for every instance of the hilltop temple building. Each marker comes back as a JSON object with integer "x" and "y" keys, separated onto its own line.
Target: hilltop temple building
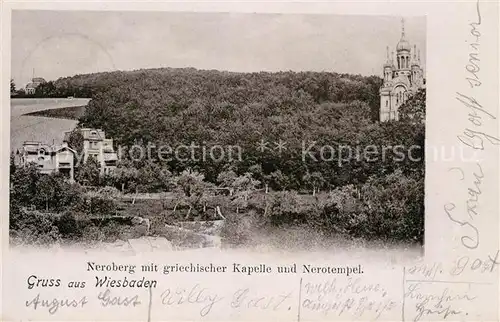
{"x": 402, "y": 78}
{"x": 35, "y": 82}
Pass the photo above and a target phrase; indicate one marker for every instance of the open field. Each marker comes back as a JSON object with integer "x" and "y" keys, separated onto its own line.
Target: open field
{"x": 37, "y": 128}
{"x": 21, "y": 106}
{"x": 68, "y": 113}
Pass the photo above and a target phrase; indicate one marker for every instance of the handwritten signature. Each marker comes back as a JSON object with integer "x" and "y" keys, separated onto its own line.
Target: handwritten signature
{"x": 471, "y": 205}
{"x": 473, "y": 67}
{"x": 53, "y": 305}
{"x": 432, "y": 304}
{"x": 475, "y": 139}
{"x": 195, "y": 295}
{"x": 107, "y": 299}
{"x": 444, "y": 312}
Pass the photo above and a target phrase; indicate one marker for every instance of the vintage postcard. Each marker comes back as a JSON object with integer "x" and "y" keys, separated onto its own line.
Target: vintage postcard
{"x": 250, "y": 161}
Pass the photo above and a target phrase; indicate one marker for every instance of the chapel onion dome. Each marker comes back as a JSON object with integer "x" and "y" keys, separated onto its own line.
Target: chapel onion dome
{"x": 403, "y": 44}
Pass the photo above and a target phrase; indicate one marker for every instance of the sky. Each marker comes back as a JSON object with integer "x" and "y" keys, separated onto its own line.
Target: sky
{"x": 57, "y": 44}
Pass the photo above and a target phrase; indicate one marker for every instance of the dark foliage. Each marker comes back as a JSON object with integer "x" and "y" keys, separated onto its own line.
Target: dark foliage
{"x": 341, "y": 172}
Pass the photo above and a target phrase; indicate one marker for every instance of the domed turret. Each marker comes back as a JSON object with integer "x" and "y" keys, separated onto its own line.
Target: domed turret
{"x": 403, "y": 44}
{"x": 403, "y": 49}
{"x": 388, "y": 66}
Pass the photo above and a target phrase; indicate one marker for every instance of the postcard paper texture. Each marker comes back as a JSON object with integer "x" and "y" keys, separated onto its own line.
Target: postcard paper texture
{"x": 226, "y": 161}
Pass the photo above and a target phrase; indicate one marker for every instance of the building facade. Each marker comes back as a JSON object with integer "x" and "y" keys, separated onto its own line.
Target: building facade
{"x": 96, "y": 145}
{"x": 35, "y": 82}
{"x": 49, "y": 158}
{"x": 403, "y": 76}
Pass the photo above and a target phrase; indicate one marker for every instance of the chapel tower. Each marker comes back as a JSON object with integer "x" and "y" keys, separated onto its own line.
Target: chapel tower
{"x": 402, "y": 78}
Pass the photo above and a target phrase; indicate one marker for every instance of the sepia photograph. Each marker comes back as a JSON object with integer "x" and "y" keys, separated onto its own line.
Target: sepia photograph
{"x": 166, "y": 131}
{"x": 250, "y": 161}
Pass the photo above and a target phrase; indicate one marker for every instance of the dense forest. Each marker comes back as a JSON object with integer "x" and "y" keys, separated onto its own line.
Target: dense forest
{"x": 180, "y": 106}
{"x": 331, "y": 116}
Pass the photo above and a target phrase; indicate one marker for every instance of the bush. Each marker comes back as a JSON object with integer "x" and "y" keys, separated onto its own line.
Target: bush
{"x": 35, "y": 228}
{"x": 69, "y": 226}
{"x": 92, "y": 234}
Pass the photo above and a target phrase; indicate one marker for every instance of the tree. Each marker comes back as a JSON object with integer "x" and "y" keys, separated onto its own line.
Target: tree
{"x": 226, "y": 180}
{"x": 194, "y": 190}
{"x": 287, "y": 207}
{"x": 12, "y": 86}
{"x": 240, "y": 187}
{"x": 258, "y": 173}
{"x": 55, "y": 193}
{"x": 190, "y": 182}
{"x": 315, "y": 180}
{"x": 165, "y": 179}
{"x": 46, "y": 90}
{"x": 243, "y": 186}
{"x": 153, "y": 178}
{"x": 12, "y": 164}
{"x": 75, "y": 141}
{"x": 89, "y": 172}
{"x": 23, "y": 183}
{"x": 68, "y": 225}
{"x": 395, "y": 204}
{"x": 21, "y": 92}
{"x": 125, "y": 176}
{"x": 46, "y": 189}
{"x": 279, "y": 180}
{"x": 101, "y": 202}
{"x": 34, "y": 227}
{"x": 413, "y": 110}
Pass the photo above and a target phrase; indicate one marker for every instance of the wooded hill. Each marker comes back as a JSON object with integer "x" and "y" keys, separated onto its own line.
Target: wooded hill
{"x": 180, "y": 106}
{"x": 370, "y": 175}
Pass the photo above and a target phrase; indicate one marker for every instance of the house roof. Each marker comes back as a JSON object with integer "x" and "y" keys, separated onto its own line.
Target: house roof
{"x": 92, "y": 134}
{"x": 88, "y": 134}
{"x": 38, "y": 146}
{"x": 33, "y": 146}
{"x": 58, "y": 148}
